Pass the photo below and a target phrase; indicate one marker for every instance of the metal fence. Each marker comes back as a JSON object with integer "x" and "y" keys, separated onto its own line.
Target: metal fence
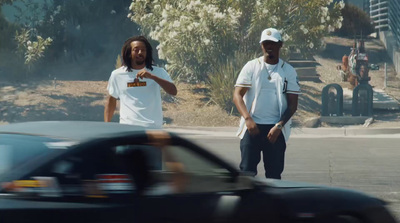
{"x": 386, "y": 16}
{"x": 394, "y": 19}
{"x": 379, "y": 13}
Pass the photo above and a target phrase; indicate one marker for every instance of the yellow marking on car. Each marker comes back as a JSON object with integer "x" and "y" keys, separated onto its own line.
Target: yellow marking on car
{"x": 28, "y": 183}
{"x": 96, "y": 196}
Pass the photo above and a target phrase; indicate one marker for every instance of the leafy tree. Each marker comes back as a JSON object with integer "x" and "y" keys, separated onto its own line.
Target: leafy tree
{"x": 196, "y": 36}
{"x": 80, "y": 30}
{"x": 303, "y": 22}
{"x": 29, "y": 43}
{"x": 82, "y": 27}
{"x": 355, "y": 22}
{"x": 24, "y": 40}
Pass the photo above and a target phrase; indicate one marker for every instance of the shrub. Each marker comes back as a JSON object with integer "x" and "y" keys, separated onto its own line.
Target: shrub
{"x": 222, "y": 80}
{"x": 33, "y": 50}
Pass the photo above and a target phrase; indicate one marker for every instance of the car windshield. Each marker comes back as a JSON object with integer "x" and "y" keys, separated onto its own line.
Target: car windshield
{"x": 16, "y": 150}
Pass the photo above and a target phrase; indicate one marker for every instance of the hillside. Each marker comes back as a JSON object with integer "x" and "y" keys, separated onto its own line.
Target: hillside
{"x": 84, "y": 100}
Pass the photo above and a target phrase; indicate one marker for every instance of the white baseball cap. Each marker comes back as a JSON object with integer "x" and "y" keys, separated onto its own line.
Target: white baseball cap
{"x": 271, "y": 34}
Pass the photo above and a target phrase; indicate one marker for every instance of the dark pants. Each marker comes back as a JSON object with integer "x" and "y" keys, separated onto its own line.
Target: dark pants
{"x": 273, "y": 154}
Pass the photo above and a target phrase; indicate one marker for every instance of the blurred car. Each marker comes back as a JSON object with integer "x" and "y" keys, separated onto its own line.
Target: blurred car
{"x": 66, "y": 171}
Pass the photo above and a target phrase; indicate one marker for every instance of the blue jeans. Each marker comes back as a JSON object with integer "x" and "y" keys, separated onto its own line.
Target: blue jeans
{"x": 251, "y": 148}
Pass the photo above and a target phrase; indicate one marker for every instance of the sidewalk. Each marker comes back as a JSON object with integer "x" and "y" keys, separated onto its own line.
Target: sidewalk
{"x": 381, "y": 100}
{"x": 383, "y": 105}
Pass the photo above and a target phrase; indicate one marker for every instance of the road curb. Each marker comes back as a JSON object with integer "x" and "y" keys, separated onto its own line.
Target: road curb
{"x": 296, "y": 132}
{"x": 346, "y": 131}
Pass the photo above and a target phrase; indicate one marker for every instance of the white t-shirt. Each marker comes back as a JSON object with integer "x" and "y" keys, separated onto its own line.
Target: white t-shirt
{"x": 139, "y": 105}
{"x": 267, "y": 111}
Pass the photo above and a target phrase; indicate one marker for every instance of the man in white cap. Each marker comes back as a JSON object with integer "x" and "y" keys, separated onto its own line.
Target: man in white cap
{"x": 266, "y": 96}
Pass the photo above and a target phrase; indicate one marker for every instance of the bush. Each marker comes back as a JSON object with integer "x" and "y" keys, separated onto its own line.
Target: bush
{"x": 196, "y": 35}
{"x": 31, "y": 50}
{"x": 355, "y": 22}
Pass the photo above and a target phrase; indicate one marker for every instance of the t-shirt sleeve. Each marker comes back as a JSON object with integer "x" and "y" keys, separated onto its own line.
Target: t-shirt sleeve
{"x": 293, "y": 86}
{"x": 245, "y": 76}
{"x": 164, "y": 75}
{"x": 112, "y": 86}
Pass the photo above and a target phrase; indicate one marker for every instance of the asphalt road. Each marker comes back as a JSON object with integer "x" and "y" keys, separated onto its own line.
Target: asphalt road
{"x": 366, "y": 163}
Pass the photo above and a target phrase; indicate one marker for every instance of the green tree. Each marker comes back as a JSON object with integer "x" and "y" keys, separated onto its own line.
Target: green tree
{"x": 31, "y": 46}
{"x": 355, "y": 22}
{"x": 80, "y": 30}
{"x": 303, "y": 22}
{"x": 83, "y": 29}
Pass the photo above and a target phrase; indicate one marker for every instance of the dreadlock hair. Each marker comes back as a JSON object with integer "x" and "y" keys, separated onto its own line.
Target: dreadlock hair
{"x": 126, "y": 52}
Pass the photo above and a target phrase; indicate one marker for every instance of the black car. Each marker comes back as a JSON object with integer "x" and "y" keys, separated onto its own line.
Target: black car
{"x": 59, "y": 171}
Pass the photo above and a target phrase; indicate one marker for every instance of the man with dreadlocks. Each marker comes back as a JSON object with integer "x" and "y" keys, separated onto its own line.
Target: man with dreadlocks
{"x": 137, "y": 85}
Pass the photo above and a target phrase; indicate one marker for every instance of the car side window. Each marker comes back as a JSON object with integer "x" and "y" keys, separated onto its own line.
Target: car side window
{"x": 171, "y": 169}
{"x": 89, "y": 174}
{"x": 99, "y": 174}
{"x": 193, "y": 163}
{"x": 140, "y": 169}
{"x": 111, "y": 171}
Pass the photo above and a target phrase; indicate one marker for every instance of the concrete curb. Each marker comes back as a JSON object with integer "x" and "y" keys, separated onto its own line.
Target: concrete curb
{"x": 228, "y": 132}
{"x": 346, "y": 131}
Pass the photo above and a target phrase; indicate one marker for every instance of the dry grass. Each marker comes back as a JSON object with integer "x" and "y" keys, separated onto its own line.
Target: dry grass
{"x": 194, "y": 107}
{"x": 84, "y": 100}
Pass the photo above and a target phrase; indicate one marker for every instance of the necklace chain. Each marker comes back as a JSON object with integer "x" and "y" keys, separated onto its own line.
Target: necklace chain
{"x": 269, "y": 73}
